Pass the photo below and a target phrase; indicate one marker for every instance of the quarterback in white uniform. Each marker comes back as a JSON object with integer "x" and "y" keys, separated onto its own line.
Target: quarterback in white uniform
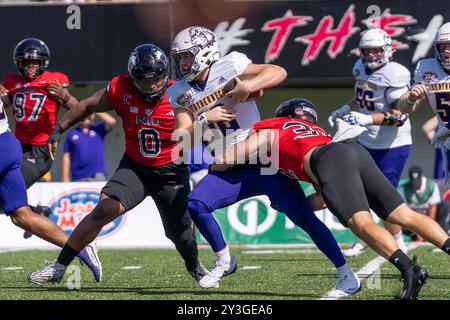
{"x": 217, "y": 93}
{"x": 380, "y": 83}
{"x": 432, "y": 86}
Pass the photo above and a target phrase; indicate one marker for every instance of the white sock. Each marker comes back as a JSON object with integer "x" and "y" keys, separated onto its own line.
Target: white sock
{"x": 399, "y": 239}
{"x": 398, "y": 236}
{"x": 360, "y": 241}
{"x": 345, "y": 270}
{"x": 224, "y": 255}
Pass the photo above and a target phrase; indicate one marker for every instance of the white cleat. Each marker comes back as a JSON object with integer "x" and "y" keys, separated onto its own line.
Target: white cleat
{"x": 51, "y": 272}
{"x": 355, "y": 250}
{"x": 345, "y": 287}
{"x": 218, "y": 271}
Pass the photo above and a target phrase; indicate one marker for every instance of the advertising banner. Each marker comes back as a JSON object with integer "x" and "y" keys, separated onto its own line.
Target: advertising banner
{"x": 313, "y": 40}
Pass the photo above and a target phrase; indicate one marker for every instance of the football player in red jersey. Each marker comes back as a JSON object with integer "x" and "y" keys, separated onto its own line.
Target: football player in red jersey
{"x": 36, "y": 95}
{"x": 348, "y": 182}
{"x": 147, "y": 167}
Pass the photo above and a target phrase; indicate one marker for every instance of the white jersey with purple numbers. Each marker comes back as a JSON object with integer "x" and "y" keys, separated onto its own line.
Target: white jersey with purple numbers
{"x": 183, "y": 94}
{"x": 4, "y": 126}
{"x": 431, "y": 73}
{"x": 378, "y": 92}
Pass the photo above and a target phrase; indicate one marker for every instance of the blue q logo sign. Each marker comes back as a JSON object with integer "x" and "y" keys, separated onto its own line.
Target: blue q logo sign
{"x": 70, "y": 207}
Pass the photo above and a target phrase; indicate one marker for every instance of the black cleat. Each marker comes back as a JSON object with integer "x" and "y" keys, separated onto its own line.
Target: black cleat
{"x": 198, "y": 272}
{"x": 42, "y": 210}
{"x": 413, "y": 280}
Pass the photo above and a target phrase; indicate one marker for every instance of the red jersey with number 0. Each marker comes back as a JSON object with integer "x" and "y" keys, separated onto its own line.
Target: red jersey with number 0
{"x": 148, "y": 126}
{"x": 35, "y": 109}
{"x": 293, "y": 139}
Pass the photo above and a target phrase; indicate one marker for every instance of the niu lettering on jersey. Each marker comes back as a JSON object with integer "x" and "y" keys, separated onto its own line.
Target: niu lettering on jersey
{"x": 148, "y": 127}
{"x": 293, "y": 139}
{"x": 35, "y": 109}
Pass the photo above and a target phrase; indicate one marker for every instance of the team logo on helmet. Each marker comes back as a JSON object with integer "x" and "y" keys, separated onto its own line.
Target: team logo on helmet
{"x": 133, "y": 59}
{"x": 201, "y": 37}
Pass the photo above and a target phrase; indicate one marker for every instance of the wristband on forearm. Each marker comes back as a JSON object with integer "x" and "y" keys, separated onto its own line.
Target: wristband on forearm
{"x": 202, "y": 120}
{"x": 66, "y": 98}
{"x": 394, "y": 120}
{"x": 409, "y": 101}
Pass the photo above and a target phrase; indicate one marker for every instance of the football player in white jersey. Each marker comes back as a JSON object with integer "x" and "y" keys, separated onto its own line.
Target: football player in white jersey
{"x": 432, "y": 87}
{"x": 380, "y": 83}
{"x": 214, "y": 94}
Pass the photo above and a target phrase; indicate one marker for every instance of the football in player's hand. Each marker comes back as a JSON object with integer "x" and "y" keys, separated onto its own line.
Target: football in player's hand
{"x": 232, "y": 83}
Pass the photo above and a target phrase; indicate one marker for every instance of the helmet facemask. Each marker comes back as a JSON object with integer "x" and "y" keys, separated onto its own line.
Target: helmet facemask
{"x": 152, "y": 87}
{"x": 183, "y": 64}
{"x": 382, "y": 57}
{"x": 443, "y": 56}
{"x": 197, "y": 44}
{"x": 27, "y": 65}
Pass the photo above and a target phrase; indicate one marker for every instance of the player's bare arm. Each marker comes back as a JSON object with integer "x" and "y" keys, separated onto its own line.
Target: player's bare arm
{"x": 4, "y": 95}
{"x": 255, "y": 78}
{"x": 429, "y": 127}
{"x": 186, "y": 125}
{"x": 315, "y": 200}
{"x": 245, "y": 150}
{"x": 95, "y": 103}
{"x": 413, "y": 98}
{"x": 63, "y": 95}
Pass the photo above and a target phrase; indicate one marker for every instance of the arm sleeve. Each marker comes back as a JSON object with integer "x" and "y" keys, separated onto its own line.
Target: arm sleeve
{"x": 240, "y": 61}
{"x": 393, "y": 94}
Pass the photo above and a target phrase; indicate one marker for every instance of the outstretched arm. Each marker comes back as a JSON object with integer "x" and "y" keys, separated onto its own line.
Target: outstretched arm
{"x": 255, "y": 78}
{"x": 413, "y": 98}
{"x": 95, "y": 103}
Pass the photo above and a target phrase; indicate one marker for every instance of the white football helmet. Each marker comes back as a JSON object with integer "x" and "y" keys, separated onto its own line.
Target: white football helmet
{"x": 376, "y": 39}
{"x": 193, "y": 50}
{"x": 442, "y": 36}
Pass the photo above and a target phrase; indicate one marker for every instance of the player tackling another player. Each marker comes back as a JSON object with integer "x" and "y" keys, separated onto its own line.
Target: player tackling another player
{"x": 202, "y": 102}
{"x": 350, "y": 184}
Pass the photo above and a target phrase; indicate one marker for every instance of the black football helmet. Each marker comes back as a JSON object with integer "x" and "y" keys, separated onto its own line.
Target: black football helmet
{"x": 297, "y": 108}
{"x": 31, "y": 49}
{"x": 148, "y": 66}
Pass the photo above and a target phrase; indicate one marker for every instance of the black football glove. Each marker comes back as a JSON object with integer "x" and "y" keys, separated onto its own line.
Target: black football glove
{"x": 55, "y": 135}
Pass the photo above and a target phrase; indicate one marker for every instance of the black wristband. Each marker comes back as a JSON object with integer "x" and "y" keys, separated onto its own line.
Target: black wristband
{"x": 394, "y": 120}
{"x": 65, "y": 99}
{"x": 58, "y": 128}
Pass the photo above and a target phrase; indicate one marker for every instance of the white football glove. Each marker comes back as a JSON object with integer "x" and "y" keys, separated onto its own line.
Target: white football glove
{"x": 338, "y": 113}
{"x": 440, "y": 137}
{"x": 358, "y": 119}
